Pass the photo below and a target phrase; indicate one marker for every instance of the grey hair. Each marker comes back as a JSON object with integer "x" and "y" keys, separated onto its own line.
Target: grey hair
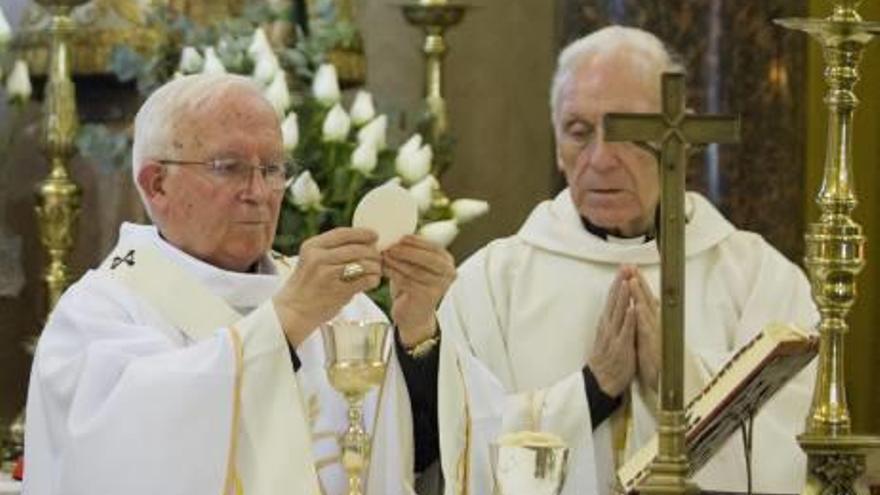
{"x": 644, "y": 51}
{"x": 154, "y": 124}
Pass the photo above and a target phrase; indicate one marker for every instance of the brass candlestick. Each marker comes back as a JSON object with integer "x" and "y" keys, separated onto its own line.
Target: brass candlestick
{"x": 357, "y": 354}
{"x": 671, "y": 133}
{"x": 58, "y": 197}
{"x": 835, "y": 256}
{"x": 435, "y": 17}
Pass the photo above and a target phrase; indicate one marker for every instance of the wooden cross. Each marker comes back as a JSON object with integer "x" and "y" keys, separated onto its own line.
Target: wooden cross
{"x": 671, "y": 133}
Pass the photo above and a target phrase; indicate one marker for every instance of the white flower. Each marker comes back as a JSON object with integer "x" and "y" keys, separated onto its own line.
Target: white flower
{"x": 465, "y": 210}
{"x": 441, "y": 233}
{"x": 336, "y": 124}
{"x": 290, "y": 132}
{"x": 5, "y": 30}
{"x": 362, "y": 110}
{"x": 18, "y": 86}
{"x": 423, "y": 191}
{"x": 213, "y": 65}
{"x": 411, "y": 165}
{"x": 278, "y": 94}
{"x": 374, "y": 132}
{"x": 305, "y": 192}
{"x": 364, "y": 158}
{"x": 266, "y": 68}
{"x": 190, "y": 61}
{"x": 411, "y": 145}
{"x": 325, "y": 86}
{"x": 259, "y": 45}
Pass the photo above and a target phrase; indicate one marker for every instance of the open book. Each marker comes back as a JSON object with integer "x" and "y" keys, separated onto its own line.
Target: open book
{"x": 735, "y": 394}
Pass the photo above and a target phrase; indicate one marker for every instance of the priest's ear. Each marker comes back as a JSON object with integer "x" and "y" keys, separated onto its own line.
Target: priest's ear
{"x": 151, "y": 181}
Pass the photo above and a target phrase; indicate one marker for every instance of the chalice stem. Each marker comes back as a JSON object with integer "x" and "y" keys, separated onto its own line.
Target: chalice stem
{"x": 355, "y": 444}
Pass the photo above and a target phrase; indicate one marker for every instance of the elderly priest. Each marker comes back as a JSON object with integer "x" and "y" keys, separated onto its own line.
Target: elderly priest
{"x": 188, "y": 362}
{"x": 556, "y": 328}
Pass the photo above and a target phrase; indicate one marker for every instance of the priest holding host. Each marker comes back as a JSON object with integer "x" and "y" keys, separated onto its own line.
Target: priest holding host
{"x": 556, "y": 328}
{"x": 189, "y": 361}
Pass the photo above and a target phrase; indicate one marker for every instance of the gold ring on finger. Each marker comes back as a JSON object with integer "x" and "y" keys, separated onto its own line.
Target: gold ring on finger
{"x": 352, "y": 271}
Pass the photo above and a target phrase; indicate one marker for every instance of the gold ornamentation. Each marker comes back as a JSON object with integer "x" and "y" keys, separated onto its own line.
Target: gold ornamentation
{"x": 835, "y": 256}
{"x": 672, "y": 132}
{"x": 424, "y": 347}
{"x": 352, "y": 272}
{"x": 58, "y": 197}
{"x": 357, "y": 354}
{"x": 435, "y": 17}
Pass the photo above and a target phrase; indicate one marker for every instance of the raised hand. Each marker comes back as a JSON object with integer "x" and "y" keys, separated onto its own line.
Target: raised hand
{"x": 332, "y": 268}
{"x": 419, "y": 272}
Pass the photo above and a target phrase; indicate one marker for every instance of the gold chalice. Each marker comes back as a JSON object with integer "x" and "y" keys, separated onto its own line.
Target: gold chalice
{"x": 357, "y": 354}
{"x": 529, "y": 463}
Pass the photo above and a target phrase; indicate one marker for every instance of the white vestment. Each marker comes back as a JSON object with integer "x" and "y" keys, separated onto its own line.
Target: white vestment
{"x": 181, "y": 382}
{"x": 520, "y": 321}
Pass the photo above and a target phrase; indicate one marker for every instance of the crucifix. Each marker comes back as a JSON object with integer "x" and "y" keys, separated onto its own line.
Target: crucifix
{"x": 671, "y": 134}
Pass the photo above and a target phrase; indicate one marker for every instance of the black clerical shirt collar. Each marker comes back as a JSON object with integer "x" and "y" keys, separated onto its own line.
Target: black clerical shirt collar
{"x": 615, "y": 237}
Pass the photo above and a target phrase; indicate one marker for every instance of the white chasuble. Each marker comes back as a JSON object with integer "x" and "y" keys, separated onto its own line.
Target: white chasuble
{"x": 159, "y": 373}
{"x": 520, "y": 321}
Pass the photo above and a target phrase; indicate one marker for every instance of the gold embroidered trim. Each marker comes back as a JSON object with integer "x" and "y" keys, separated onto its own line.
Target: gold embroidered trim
{"x": 233, "y": 483}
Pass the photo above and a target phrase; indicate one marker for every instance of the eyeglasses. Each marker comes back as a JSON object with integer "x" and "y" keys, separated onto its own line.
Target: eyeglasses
{"x": 235, "y": 172}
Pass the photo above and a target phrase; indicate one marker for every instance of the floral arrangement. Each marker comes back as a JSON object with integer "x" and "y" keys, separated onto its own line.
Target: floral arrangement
{"x": 339, "y": 151}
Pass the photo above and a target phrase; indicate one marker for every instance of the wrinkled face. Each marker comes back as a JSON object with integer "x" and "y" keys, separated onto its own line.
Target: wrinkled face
{"x": 226, "y": 223}
{"x": 614, "y": 185}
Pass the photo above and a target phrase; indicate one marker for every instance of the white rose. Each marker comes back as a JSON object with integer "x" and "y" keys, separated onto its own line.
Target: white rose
{"x": 290, "y": 132}
{"x": 374, "y": 132}
{"x": 190, "y": 61}
{"x": 278, "y": 94}
{"x": 412, "y": 166}
{"x": 259, "y": 45}
{"x": 305, "y": 192}
{"x": 325, "y": 86}
{"x": 364, "y": 158}
{"x": 266, "y": 68}
{"x": 412, "y": 144}
{"x": 423, "y": 191}
{"x": 336, "y": 124}
{"x": 212, "y": 65}
{"x": 18, "y": 86}
{"x": 441, "y": 233}
{"x": 362, "y": 110}
{"x": 465, "y": 210}
{"x": 5, "y": 30}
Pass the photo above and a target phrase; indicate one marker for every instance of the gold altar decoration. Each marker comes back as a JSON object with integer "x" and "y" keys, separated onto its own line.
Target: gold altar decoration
{"x": 100, "y": 25}
{"x": 671, "y": 134}
{"x": 58, "y": 197}
{"x": 435, "y": 17}
{"x": 835, "y": 255}
{"x": 349, "y": 58}
{"x": 357, "y": 354}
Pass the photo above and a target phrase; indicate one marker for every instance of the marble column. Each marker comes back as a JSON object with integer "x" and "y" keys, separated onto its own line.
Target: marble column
{"x": 737, "y": 62}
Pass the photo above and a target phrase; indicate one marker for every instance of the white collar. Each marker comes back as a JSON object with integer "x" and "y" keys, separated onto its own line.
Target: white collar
{"x": 556, "y": 226}
{"x": 240, "y": 290}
